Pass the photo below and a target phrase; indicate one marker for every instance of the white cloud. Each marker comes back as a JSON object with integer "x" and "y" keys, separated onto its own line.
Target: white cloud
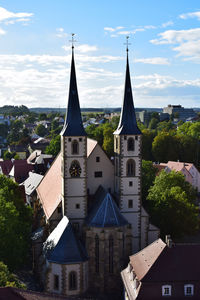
{"x": 61, "y": 33}
{"x": 117, "y": 31}
{"x": 169, "y": 23}
{"x": 8, "y": 16}
{"x": 153, "y": 61}
{"x": 187, "y": 42}
{"x": 190, "y": 15}
{"x": 2, "y": 32}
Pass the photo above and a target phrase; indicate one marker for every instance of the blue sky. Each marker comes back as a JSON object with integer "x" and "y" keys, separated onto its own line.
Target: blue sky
{"x": 164, "y": 54}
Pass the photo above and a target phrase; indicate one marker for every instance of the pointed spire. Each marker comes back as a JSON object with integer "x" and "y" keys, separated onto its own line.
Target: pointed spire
{"x": 73, "y": 122}
{"x": 127, "y": 124}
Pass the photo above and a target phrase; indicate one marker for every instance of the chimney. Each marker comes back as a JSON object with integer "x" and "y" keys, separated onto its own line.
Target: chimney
{"x": 168, "y": 240}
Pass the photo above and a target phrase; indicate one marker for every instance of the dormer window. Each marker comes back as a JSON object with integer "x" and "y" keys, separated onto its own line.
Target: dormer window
{"x": 166, "y": 290}
{"x": 188, "y": 289}
{"x": 75, "y": 147}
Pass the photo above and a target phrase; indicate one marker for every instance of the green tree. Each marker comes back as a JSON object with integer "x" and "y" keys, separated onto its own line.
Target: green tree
{"x": 42, "y": 117}
{"x": 165, "y": 147}
{"x": 40, "y": 130}
{"x": 147, "y": 140}
{"x": 148, "y": 177}
{"x": 108, "y": 140}
{"x": 7, "y": 278}
{"x": 153, "y": 123}
{"x": 3, "y": 130}
{"x": 54, "y": 124}
{"x": 15, "y": 220}
{"x": 171, "y": 204}
{"x": 165, "y": 126}
{"x": 54, "y": 146}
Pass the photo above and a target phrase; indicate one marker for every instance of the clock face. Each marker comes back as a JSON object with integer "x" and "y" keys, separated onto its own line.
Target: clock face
{"x": 75, "y": 169}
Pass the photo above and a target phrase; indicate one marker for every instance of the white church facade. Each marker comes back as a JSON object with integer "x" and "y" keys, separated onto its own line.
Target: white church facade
{"x": 93, "y": 215}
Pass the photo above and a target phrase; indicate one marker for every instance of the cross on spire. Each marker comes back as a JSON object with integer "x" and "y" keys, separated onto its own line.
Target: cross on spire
{"x": 73, "y": 40}
{"x": 127, "y": 43}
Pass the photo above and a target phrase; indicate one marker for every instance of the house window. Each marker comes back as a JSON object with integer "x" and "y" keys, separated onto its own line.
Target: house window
{"x": 97, "y": 254}
{"x": 75, "y": 227}
{"x": 56, "y": 282}
{"x": 188, "y": 289}
{"x": 130, "y": 203}
{"x": 69, "y": 139}
{"x": 166, "y": 290}
{"x": 130, "y": 167}
{"x": 97, "y": 159}
{"x": 130, "y": 183}
{"x": 130, "y": 144}
{"x": 125, "y": 137}
{"x": 80, "y": 139}
{"x": 111, "y": 254}
{"x": 116, "y": 142}
{"x": 136, "y": 137}
{"x": 75, "y": 147}
{"x": 72, "y": 281}
{"x": 77, "y": 206}
{"x": 98, "y": 174}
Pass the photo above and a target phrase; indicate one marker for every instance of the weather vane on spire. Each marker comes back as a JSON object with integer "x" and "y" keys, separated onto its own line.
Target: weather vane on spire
{"x": 127, "y": 43}
{"x": 73, "y": 40}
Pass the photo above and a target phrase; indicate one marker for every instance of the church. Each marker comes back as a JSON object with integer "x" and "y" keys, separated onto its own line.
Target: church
{"x": 93, "y": 217}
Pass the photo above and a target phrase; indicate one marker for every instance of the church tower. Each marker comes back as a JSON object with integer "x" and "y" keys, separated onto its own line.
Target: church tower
{"x": 127, "y": 148}
{"x": 74, "y": 157}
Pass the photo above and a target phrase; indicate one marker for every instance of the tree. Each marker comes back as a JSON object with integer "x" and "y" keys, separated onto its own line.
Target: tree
{"x": 7, "y": 278}
{"x": 40, "y": 130}
{"x": 165, "y": 147}
{"x": 42, "y": 117}
{"x": 153, "y": 123}
{"x": 108, "y": 140}
{"x": 54, "y": 146}
{"x": 8, "y": 155}
{"x": 15, "y": 220}
{"x": 148, "y": 177}
{"x": 3, "y": 130}
{"x": 171, "y": 204}
{"x": 147, "y": 139}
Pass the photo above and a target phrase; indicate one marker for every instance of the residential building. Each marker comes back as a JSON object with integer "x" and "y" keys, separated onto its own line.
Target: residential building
{"x": 163, "y": 271}
{"x": 179, "y": 112}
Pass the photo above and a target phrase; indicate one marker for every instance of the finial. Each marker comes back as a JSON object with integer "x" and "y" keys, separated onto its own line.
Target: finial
{"x": 127, "y": 43}
{"x": 73, "y": 40}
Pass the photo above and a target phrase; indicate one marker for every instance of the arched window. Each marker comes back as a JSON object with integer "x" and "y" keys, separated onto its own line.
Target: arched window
{"x": 72, "y": 281}
{"x": 130, "y": 167}
{"x": 75, "y": 147}
{"x": 130, "y": 144}
{"x": 97, "y": 253}
{"x": 111, "y": 253}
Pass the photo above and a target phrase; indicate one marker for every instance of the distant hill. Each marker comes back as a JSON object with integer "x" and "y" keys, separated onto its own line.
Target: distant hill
{"x": 14, "y": 110}
{"x": 106, "y": 110}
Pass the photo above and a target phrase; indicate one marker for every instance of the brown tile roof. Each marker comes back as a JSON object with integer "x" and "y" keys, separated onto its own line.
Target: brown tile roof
{"x": 6, "y": 166}
{"x": 20, "y": 170}
{"x": 143, "y": 260}
{"x": 160, "y": 263}
{"x": 9, "y": 293}
{"x": 49, "y": 190}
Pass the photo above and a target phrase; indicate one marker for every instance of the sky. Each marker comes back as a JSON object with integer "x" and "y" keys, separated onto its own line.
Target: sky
{"x": 164, "y": 52}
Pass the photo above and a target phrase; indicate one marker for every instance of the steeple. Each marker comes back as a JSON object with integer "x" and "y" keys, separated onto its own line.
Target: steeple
{"x": 73, "y": 122}
{"x": 127, "y": 124}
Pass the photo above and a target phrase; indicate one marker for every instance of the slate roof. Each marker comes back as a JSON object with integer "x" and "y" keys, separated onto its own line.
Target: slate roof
{"x": 20, "y": 170}
{"x": 105, "y": 212}
{"x": 127, "y": 124}
{"x": 6, "y": 166}
{"x": 73, "y": 122}
{"x": 62, "y": 246}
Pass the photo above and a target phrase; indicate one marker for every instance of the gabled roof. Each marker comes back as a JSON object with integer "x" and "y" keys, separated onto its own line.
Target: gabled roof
{"x": 73, "y": 122}
{"x": 6, "y": 166}
{"x": 49, "y": 190}
{"x": 160, "y": 263}
{"x": 105, "y": 212}
{"x": 62, "y": 246}
{"x": 20, "y": 170}
{"x": 127, "y": 123}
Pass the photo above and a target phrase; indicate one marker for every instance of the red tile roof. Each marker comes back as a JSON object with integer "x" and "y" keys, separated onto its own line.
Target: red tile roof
{"x": 49, "y": 190}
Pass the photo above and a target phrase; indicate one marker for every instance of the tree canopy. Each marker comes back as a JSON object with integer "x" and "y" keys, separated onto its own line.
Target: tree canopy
{"x": 15, "y": 220}
{"x": 54, "y": 146}
{"x": 7, "y": 278}
{"x": 171, "y": 204}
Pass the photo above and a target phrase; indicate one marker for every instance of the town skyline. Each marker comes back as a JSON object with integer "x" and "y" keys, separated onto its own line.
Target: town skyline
{"x": 35, "y": 52}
